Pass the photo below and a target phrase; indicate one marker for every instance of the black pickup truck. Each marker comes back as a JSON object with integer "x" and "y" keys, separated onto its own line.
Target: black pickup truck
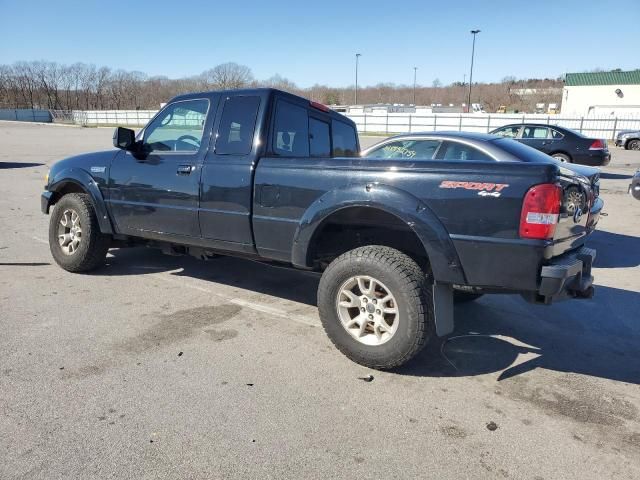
{"x": 268, "y": 175}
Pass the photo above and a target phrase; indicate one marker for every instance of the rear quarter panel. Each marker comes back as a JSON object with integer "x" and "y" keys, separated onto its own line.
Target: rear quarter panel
{"x": 479, "y": 225}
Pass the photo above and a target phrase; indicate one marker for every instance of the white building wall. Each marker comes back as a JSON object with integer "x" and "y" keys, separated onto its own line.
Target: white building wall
{"x": 600, "y": 100}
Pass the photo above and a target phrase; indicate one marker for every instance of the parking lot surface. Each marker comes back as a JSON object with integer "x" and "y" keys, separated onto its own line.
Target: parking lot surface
{"x": 169, "y": 367}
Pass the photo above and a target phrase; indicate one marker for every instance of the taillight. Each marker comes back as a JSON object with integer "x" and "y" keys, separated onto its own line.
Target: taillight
{"x": 540, "y": 210}
{"x": 597, "y": 145}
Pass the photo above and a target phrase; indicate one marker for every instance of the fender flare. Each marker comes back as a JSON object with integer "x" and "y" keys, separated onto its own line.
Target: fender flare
{"x": 434, "y": 237}
{"x": 87, "y": 183}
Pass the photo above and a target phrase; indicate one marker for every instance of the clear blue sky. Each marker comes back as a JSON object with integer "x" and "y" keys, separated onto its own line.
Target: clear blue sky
{"x": 315, "y": 41}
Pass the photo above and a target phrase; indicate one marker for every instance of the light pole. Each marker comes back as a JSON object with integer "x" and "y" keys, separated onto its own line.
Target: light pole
{"x": 464, "y": 82}
{"x": 358, "y": 55}
{"x": 473, "y": 50}
{"x": 415, "y": 73}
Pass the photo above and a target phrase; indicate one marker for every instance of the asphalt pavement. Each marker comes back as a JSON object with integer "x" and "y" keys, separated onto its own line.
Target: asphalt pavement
{"x": 169, "y": 367}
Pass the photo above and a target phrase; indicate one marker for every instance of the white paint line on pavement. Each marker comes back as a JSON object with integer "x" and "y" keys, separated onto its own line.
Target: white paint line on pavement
{"x": 276, "y": 312}
{"x": 258, "y": 307}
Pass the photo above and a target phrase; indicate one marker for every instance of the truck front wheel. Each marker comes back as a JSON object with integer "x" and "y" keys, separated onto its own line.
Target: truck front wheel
{"x": 75, "y": 240}
{"x": 376, "y": 306}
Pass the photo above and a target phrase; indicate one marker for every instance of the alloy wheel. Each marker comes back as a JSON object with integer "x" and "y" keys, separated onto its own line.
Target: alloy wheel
{"x": 367, "y": 310}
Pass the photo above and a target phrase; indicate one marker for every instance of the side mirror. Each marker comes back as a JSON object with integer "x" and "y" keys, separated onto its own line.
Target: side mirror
{"x": 124, "y": 138}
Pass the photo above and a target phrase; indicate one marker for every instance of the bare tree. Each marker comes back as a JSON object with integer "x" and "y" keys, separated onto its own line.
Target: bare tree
{"x": 52, "y": 85}
{"x": 227, "y": 76}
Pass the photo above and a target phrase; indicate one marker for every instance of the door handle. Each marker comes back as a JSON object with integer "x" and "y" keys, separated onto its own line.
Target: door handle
{"x": 185, "y": 169}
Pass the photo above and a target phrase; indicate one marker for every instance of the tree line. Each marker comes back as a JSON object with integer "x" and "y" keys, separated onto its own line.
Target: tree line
{"x": 80, "y": 86}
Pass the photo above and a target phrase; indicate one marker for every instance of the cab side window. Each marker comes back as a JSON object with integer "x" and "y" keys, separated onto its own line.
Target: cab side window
{"x": 345, "y": 143}
{"x": 319, "y": 138}
{"x": 177, "y": 128}
{"x": 291, "y": 130}
{"x": 237, "y": 125}
{"x": 462, "y": 152}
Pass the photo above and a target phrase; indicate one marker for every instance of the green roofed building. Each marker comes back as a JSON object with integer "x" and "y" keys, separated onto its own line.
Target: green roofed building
{"x": 602, "y": 94}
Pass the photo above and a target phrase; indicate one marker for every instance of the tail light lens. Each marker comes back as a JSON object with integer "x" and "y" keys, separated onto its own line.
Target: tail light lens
{"x": 598, "y": 145}
{"x": 540, "y": 210}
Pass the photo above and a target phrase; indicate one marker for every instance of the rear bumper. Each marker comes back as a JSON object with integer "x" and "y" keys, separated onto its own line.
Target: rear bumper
{"x": 596, "y": 158}
{"x": 567, "y": 276}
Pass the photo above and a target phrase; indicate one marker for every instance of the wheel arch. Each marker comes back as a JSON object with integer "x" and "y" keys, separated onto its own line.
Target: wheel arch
{"x": 78, "y": 181}
{"x": 629, "y": 140}
{"x": 401, "y": 211}
{"x": 563, "y": 152}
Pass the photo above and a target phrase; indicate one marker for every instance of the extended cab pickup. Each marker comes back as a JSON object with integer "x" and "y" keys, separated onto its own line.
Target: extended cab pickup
{"x": 272, "y": 176}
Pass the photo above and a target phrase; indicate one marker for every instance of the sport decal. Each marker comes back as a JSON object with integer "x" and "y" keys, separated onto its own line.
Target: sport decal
{"x": 484, "y": 189}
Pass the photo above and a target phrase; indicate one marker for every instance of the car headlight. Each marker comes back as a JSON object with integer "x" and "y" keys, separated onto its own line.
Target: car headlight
{"x": 46, "y": 178}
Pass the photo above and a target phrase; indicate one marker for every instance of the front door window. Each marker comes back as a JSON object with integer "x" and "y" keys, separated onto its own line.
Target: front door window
{"x": 178, "y": 128}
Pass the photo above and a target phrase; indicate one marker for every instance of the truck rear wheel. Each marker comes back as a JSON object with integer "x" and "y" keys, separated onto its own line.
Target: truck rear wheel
{"x": 75, "y": 240}
{"x": 376, "y": 306}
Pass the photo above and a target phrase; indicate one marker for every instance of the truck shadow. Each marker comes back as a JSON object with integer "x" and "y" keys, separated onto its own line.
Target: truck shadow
{"x": 7, "y": 165}
{"x": 295, "y": 285}
{"x": 615, "y": 176}
{"x": 497, "y": 333}
{"x": 501, "y": 333}
{"x": 615, "y": 250}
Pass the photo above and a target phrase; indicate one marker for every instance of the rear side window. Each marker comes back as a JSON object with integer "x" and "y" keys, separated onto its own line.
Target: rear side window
{"x": 319, "y": 138}
{"x": 291, "y": 130}
{"x": 237, "y": 125}
{"x": 406, "y": 150}
{"x": 556, "y": 134}
{"x": 523, "y": 152}
{"x": 535, "y": 132}
{"x": 461, "y": 152}
{"x": 345, "y": 142}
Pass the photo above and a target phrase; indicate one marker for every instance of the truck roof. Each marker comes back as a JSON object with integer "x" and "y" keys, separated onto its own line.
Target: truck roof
{"x": 261, "y": 91}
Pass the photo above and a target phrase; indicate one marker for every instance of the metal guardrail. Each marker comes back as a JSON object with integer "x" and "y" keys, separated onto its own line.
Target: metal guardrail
{"x": 603, "y": 127}
{"x": 25, "y": 115}
{"x": 391, "y": 123}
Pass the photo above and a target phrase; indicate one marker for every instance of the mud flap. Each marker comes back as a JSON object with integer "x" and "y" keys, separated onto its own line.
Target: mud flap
{"x": 443, "y": 308}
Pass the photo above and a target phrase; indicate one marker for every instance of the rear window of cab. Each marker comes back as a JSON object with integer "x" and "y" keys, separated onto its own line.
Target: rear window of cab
{"x": 299, "y": 133}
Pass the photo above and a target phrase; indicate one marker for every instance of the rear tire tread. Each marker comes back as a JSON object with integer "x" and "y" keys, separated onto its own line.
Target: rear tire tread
{"x": 417, "y": 288}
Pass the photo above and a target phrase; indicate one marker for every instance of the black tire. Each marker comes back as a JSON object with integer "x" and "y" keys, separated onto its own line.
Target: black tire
{"x": 633, "y": 145}
{"x": 562, "y": 157}
{"x": 92, "y": 248}
{"x": 414, "y": 301}
{"x": 464, "y": 297}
